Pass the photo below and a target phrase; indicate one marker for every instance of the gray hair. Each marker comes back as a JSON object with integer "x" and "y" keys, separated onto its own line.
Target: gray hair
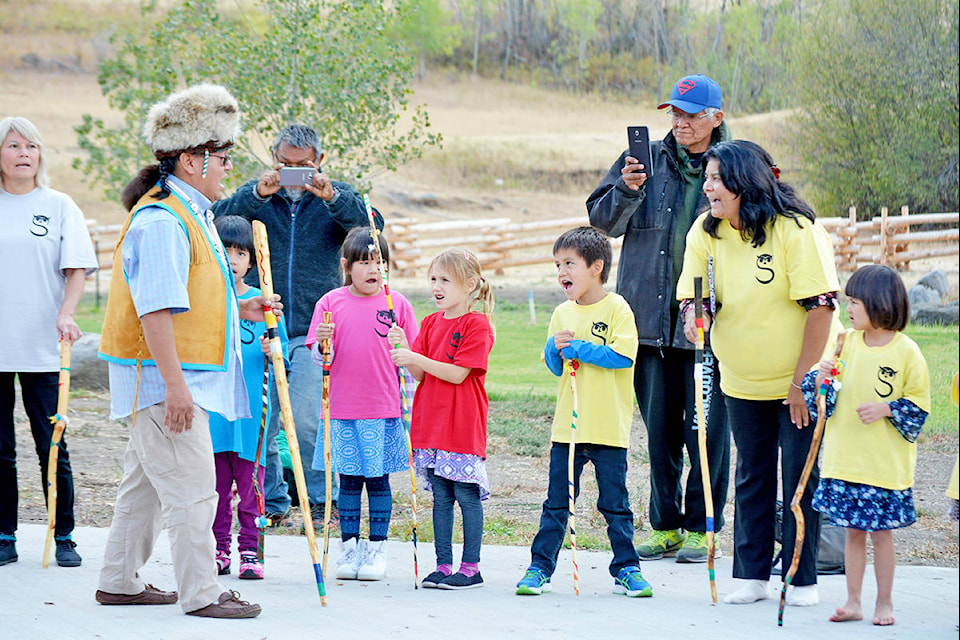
{"x": 300, "y": 136}
{"x": 29, "y": 131}
{"x": 711, "y": 111}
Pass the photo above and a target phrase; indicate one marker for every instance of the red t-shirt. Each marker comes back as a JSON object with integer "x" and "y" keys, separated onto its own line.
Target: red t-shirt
{"x": 447, "y": 416}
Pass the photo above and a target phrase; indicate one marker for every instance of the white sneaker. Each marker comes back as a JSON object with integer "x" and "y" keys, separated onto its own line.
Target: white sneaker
{"x": 351, "y": 557}
{"x": 374, "y": 565}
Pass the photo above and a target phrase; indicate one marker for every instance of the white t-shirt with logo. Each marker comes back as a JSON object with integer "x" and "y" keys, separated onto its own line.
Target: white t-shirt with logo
{"x": 41, "y": 234}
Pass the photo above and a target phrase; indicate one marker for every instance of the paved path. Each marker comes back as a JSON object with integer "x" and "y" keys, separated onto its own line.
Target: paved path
{"x": 59, "y": 603}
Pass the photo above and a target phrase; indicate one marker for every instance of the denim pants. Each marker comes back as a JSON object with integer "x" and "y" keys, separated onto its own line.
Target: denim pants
{"x": 306, "y": 384}
{"x": 760, "y": 428}
{"x": 663, "y": 382}
{"x": 610, "y": 465}
{"x": 445, "y": 492}
{"x": 39, "y": 393}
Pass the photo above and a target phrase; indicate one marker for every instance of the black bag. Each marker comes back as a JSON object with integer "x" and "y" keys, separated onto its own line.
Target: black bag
{"x": 830, "y": 557}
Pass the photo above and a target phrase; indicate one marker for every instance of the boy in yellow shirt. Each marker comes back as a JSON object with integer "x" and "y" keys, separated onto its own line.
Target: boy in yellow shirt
{"x": 596, "y": 328}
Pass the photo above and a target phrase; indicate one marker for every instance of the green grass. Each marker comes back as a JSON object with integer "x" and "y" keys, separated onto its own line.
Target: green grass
{"x": 522, "y": 391}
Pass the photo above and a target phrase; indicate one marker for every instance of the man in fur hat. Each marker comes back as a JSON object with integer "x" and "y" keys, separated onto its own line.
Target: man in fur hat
{"x": 171, "y": 337}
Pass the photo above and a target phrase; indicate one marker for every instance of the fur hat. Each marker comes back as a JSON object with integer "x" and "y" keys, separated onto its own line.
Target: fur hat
{"x": 204, "y": 115}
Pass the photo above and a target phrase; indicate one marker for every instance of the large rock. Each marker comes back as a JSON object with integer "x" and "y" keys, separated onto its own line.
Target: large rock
{"x": 921, "y": 295}
{"x": 938, "y": 281}
{"x": 86, "y": 369}
{"x": 936, "y": 314}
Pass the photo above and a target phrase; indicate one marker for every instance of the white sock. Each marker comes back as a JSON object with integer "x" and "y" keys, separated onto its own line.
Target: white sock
{"x": 803, "y": 596}
{"x": 750, "y": 591}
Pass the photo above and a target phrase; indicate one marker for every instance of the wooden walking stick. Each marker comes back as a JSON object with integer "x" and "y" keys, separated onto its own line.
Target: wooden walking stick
{"x": 702, "y": 436}
{"x": 60, "y": 424}
{"x": 571, "y": 488}
{"x": 286, "y": 412}
{"x": 261, "y": 520}
{"x": 805, "y": 474}
{"x": 327, "y": 471}
{"x": 405, "y": 404}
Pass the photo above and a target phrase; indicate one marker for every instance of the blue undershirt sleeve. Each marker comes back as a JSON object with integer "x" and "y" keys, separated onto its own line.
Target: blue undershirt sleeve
{"x": 599, "y": 355}
{"x": 907, "y": 418}
{"x": 552, "y": 357}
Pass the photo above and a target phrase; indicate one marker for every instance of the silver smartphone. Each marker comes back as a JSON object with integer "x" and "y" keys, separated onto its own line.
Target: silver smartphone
{"x": 296, "y": 176}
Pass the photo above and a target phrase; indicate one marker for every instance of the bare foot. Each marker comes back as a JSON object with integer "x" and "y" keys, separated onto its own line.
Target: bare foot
{"x": 883, "y": 615}
{"x": 848, "y": 612}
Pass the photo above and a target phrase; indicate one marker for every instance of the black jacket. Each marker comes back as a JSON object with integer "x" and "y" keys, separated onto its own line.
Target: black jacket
{"x": 647, "y": 222}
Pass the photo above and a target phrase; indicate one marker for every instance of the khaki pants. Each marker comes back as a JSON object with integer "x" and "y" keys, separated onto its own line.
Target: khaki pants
{"x": 167, "y": 479}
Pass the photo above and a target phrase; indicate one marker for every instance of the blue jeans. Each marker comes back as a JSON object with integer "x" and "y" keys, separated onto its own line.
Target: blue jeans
{"x": 610, "y": 465}
{"x": 445, "y": 492}
{"x": 306, "y": 383}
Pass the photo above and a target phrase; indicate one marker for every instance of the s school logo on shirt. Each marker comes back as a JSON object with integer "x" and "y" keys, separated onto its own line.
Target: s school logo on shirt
{"x": 385, "y": 321}
{"x": 885, "y": 376}
{"x": 454, "y": 345}
{"x": 39, "y": 225}
{"x": 246, "y": 331}
{"x": 599, "y": 330}
{"x": 766, "y": 275}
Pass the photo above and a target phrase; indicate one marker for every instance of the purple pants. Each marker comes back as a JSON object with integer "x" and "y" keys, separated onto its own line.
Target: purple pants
{"x": 231, "y": 469}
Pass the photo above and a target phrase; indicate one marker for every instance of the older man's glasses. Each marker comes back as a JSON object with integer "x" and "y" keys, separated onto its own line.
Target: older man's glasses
{"x": 225, "y": 158}
{"x": 677, "y": 116}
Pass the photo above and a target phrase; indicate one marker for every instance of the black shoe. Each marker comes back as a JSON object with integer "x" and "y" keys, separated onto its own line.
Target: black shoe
{"x": 460, "y": 581}
{"x": 67, "y": 555}
{"x": 8, "y": 551}
{"x": 433, "y": 580}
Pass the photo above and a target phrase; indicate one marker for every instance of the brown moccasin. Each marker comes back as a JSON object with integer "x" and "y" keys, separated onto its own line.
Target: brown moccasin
{"x": 149, "y": 595}
{"x": 229, "y": 606}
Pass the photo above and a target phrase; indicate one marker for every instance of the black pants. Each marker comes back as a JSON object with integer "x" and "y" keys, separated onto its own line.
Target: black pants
{"x": 761, "y": 430}
{"x": 665, "y": 392}
{"x": 39, "y": 392}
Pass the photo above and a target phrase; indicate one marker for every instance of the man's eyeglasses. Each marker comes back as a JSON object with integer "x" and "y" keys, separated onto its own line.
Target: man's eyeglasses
{"x": 676, "y": 116}
{"x": 225, "y": 159}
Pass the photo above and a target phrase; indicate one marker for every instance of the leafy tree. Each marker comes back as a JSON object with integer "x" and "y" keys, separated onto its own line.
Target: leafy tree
{"x": 428, "y": 29}
{"x": 326, "y": 63}
{"x": 877, "y": 80}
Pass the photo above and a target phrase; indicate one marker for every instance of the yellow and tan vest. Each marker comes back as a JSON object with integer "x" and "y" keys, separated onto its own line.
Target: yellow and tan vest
{"x": 201, "y": 332}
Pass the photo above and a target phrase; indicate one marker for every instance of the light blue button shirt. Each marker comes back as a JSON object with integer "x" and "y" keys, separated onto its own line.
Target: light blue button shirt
{"x": 156, "y": 264}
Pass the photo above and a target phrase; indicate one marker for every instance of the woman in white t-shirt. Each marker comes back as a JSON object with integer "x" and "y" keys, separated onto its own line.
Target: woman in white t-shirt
{"x": 776, "y": 288}
{"x": 45, "y": 255}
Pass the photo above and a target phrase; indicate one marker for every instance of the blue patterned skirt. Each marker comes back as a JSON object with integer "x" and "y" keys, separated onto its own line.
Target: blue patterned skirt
{"x": 370, "y": 447}
{"x": 863, "y": 506}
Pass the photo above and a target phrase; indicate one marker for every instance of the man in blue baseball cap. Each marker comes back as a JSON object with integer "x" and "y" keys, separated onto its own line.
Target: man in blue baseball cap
{"x": 653, "y": 216}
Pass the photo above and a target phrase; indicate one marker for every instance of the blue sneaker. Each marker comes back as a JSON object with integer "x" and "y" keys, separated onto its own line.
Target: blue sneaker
{"x": 533, "y": 583}
{"x": 630, "y": 583}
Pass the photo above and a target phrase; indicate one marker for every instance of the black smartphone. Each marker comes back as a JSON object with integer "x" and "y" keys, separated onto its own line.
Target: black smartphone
{"x": 296, "y": 176}
{"x": 638, "y": 143}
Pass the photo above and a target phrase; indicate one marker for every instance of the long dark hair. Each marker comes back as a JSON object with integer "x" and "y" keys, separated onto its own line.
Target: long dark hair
{"x": 357, "y": 246}
{"x": 747, "y": 171}
{"x": 156, "y": 175}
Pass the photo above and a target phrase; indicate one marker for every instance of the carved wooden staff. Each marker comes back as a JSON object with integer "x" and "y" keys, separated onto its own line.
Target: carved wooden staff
{"x": 405, "y": 404}
{"x": 571, "y": 488}
{"x": 283, "y": 391}
{"x": 805, "y": 475}
{"x": 327, "y": 464}
{"x": 60, "y": 423}
{"x": 702, "y": 435}
{"x": 261, "y": 520}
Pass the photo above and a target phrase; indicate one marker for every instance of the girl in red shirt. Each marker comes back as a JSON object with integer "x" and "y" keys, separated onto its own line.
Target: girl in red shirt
{"x": 449, "y": 423}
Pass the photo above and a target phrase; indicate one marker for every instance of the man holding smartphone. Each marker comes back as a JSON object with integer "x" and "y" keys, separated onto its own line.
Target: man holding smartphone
{"x": 653, "y": 219}
{"x": 307, "y": 219}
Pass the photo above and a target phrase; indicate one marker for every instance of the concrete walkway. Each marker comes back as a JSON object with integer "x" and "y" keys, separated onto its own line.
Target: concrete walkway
{"x": 59, "y": 603}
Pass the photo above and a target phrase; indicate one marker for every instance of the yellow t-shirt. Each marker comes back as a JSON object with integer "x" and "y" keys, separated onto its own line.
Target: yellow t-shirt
{"x": 875, "y": 453}
{"x": 605, "y": 396}
{"x": 758, "y": 332}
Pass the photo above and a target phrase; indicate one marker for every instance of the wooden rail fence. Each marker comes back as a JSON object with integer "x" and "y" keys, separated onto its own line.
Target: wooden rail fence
{"x": 501, "y": 243}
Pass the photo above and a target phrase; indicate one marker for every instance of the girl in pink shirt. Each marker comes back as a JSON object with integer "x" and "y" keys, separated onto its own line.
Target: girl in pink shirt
{"x": 366, "y": 418}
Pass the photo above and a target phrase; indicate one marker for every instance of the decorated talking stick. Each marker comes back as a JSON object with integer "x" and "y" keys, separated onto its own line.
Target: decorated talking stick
{"x": 261, "y": 520}
{"x": 283, "y": 391}
{"x": 805, "y": 474}
{"x": 375, "y": 248}
{"x": 571, "y": 490}
{"x": 702, "y": 435}
{"x": 327, "y": 477}
{"x": 60, "y": 423}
